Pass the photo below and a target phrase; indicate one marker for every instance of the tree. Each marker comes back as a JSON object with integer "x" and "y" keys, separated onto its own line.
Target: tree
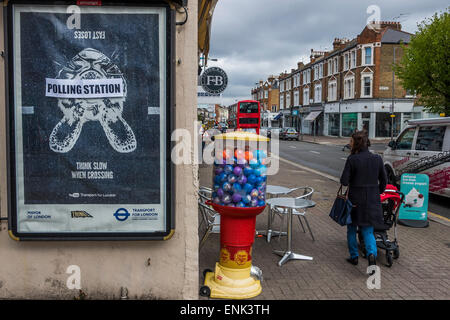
{"x": 424, "y": 68}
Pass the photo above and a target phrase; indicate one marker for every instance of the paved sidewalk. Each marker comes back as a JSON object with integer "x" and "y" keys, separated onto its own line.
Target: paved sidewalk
{"x": 421, "y": 272}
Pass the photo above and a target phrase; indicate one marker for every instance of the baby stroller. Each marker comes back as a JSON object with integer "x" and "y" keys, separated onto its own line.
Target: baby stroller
{"x": 390, "y": 202}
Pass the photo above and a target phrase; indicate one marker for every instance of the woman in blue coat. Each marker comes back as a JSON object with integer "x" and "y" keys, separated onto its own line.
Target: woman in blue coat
{"x": 366, "y": 178}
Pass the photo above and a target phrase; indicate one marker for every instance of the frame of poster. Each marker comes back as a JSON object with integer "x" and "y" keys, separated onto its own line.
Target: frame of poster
{"x": 117, "y": 213}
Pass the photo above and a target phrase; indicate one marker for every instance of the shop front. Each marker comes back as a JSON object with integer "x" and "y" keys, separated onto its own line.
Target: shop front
{"x": 374, "y": 116}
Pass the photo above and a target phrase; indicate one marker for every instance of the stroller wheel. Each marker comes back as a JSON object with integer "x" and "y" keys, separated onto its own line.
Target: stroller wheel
{"x": 389, "y": 259}
{"x": 396, "y": 253}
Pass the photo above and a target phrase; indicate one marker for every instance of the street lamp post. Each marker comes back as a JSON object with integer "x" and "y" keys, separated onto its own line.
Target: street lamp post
{"x": 393, "y": 96}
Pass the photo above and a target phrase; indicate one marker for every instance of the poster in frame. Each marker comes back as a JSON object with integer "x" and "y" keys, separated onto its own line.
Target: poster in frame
{"x": 89, "y": 121}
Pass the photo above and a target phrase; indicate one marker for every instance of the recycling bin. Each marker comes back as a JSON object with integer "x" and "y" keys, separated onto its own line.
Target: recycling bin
{"x": 239, "y": 194}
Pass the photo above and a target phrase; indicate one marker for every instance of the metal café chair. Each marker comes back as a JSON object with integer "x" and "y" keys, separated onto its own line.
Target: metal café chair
{"x": 212, "y": 220}
{"x": 282, "y": 212}
{"x": 273, "y": 191}
{"x": 209, "y": 216}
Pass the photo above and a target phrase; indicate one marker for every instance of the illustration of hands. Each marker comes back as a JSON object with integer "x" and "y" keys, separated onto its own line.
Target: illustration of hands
{"x": 92, "y": 64}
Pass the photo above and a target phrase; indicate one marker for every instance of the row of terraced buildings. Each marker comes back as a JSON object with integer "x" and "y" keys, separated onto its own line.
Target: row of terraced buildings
{"x": 352, "y": 87}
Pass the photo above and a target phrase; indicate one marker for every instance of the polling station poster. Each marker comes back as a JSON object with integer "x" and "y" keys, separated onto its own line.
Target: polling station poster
{"x": 90, "y": 119}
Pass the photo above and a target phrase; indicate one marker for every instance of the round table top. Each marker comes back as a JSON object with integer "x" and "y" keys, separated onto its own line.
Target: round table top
{"x": 277, "y": 189}
{"x": 291, "y": 203}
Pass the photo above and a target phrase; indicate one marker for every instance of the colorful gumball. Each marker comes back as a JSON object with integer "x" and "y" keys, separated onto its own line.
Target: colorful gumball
{"x": 237, "y": 187}
{"x": 257, "y": 172}
{"x": 248, "y": 187}
{"x": 254, "y": 193}
{"x": 220, "y": 193}
{"x": 261, "y": 203}
{"x": 240, "y": 205}
{"x": 242, "y": 179}
{"x": 228, "y": 168}
{"x": 218, "y": 170}
{"x": 248, "y": 155}
{"x": 216, "y": 187}
{"x": 254, "y": 163}
{"x": 226, "y": 187}
{"x": 248, "y": 171}
{"x": 231, "y": 205}
{"x": 254, "y": 202}
{"x": 259, "y": 181}
{"x": 216, "y": 200}
{"x": 242, "y": 163}
{"x": 239, "y": 154}
{"x": 260, "y": 154}
{"x": 227, "y": 154}
{"x": 226, "y": 199}
{"x": 246, "y": 199}
{"x": 262, "y": 169}
{"x": 236, "y": 198}
{"x": 237, "y": 171}
{"x": 251, "y": 179}
{"x": 232, "y": 178}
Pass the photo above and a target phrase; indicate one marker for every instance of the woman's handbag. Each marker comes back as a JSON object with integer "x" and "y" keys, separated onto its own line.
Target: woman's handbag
{"x": 342, "y": 207}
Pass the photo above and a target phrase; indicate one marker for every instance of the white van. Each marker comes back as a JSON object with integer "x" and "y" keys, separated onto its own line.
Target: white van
{"x": 422, "y": 147}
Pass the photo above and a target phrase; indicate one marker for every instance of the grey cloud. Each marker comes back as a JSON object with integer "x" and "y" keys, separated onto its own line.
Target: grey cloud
{"x": 256, "y": 38}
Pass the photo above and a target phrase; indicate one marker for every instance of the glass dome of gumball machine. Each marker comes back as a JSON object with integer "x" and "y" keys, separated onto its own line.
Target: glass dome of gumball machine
{"x": 239, "y": 193}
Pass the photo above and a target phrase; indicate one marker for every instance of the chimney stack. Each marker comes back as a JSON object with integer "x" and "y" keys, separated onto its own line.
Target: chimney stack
{"x": 387, "y": 24}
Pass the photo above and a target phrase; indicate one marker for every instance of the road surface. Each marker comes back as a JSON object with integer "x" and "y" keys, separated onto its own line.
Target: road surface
{"x": 330, "y": 160}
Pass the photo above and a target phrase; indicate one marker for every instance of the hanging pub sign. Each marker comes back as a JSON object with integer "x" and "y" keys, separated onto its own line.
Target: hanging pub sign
{"x": 214, "y": 80}
{"x": 90, "y": 90}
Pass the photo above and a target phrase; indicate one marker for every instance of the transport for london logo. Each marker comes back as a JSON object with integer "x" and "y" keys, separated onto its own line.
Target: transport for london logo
{"x": 121, "y": 214}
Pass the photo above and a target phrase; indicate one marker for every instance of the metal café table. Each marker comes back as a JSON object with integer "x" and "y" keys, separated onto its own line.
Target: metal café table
{"x": 273, "y": 191}
{"x": 290, "y": 204}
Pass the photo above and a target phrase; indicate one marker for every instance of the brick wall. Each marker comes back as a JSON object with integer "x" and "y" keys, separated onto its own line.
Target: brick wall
{"x": 385, "y": 71}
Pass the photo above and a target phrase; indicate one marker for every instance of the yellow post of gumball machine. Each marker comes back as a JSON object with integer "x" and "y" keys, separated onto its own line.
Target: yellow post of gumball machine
{"x": 239, "y": 191}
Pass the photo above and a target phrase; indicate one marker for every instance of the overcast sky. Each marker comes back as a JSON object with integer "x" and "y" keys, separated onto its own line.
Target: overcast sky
{"x": 253, "y": 39}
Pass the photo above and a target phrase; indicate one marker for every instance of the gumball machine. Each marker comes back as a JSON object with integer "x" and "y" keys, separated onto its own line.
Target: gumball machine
{"x": 239, "y": 193}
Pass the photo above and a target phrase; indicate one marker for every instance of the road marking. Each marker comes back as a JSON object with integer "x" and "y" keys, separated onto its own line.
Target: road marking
{"x": 314, "y": 152}
{"x": 293, "y": 147}
{"x": 306, "y": 168}
{"x": 439, "y": 218}
{"x": 344, "y": 159}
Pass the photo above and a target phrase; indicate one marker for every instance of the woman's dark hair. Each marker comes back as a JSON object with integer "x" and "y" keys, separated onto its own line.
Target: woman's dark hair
{"x": 360, "y": 141}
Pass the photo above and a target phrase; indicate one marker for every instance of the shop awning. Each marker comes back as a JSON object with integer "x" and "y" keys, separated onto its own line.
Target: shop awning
{"x": 278, "y": 116}
{"x": 313, "y": 115}
{"x": 205, "y": 13}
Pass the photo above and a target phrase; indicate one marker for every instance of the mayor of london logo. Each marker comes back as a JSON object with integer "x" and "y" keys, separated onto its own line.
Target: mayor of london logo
{"x": 214, "y": 80}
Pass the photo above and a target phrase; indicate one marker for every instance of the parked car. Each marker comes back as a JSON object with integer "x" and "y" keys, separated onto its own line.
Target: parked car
{"x": 289, "y": 134}
{"x": 422, "y": 147}
{"x": 274, "y": 131}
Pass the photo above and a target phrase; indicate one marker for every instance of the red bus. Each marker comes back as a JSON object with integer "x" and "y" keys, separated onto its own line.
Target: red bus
{"x": 246, "y": 115}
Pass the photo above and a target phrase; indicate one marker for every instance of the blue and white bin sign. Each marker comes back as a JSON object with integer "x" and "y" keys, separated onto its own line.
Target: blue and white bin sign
{"x": 414, "y": 209}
